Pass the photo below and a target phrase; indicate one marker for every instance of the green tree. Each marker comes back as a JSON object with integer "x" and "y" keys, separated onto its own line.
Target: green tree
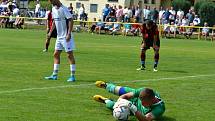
{"x": 207, "y": 13}
{"x": 198, "y": 5}
{"x": 181, "y": 4}
{"x": 43, "y": 3}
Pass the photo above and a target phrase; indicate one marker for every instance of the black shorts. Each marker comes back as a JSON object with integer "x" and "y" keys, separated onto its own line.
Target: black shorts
{"x": 151, "y": 43}
{"x": 54, "y": 33}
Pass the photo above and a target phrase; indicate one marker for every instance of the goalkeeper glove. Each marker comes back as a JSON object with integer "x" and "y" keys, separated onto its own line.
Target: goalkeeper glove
{"x": 132, "y": 108}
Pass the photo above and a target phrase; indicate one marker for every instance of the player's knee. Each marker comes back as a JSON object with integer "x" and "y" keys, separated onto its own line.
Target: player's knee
{"x": 70, "y": 55}
{"x": 56, "y": 55}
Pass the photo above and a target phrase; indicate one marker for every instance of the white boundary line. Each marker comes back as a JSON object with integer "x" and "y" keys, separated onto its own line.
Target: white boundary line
{"x": 90, "y": 84}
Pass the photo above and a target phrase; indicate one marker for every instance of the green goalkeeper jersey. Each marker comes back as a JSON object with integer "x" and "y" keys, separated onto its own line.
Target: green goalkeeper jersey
{"x": 156, "y": 109}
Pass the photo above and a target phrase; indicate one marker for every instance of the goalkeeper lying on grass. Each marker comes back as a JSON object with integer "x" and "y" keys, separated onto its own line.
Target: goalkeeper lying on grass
{"x": 144, "y": 103}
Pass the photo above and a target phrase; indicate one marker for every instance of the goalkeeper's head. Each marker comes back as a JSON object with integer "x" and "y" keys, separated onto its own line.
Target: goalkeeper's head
{"x": 147, "y": 96}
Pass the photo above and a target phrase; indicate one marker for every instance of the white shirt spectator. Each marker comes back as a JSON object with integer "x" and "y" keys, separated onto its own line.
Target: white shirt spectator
{"x": 205, "y": 30}
{"x": 196, "y": 21}
{"x": 146, "y": 13}
{"x": 125, "y": 11}
{"x": 180, "y": 14}
{"x": 47, "y": 13}
{"x": 161, "y": 14}
{"x": 129, "y": 13}
{"x": 172, "y": 12}
{"x": 173, "y": 28}
{"x": 15, "y": 11}
{"x": 137, "y": 12}
{"x": 60, "y": 15}
{"x": 81, "y": 11}
{"x": 37, "y": 7}
{"x": 184, "y": 22}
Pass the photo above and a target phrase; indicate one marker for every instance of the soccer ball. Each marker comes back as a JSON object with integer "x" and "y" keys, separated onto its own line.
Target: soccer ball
{"x": 121, "y": 113}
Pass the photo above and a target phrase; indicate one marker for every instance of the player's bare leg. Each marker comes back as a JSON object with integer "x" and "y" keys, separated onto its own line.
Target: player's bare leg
{"x": 47, "y": 44}
{"x": 56, "y": 65}
{"x": 142, "y": 60}
{"x": 156, "y": 59}
{"x": 71, "y": 59}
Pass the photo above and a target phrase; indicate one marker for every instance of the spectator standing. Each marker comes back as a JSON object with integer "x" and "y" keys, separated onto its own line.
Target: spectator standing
{"x": 133, "y": 8}
{"x": 161, "y": 11}
{"x": 106, "y": 12}
{"x": 166, "y": 15}
{"x": 119, "y": 13}
{"x": 112, "y": 14}
{"x": 190, "y": 16}
{"x": 37, "y": 8}
{"x": 125, "y": 14}
{"x": 154, "y": 15}
{"x": 81, "y": 12}
{"x": 172, "y": 15}
{"x": 70, "y": 8}
{"x": 137, "y": 14}
{"x": 129, "y": 15}
{"x": 180, "y": 14}
{"x": 146, "y": 13}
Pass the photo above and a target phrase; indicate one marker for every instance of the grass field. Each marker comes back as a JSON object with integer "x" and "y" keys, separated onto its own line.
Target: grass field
{"x": 185, "y": 80}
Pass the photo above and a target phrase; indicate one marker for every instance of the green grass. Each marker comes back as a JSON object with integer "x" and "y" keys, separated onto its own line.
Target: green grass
{"x": 185, "y": 78}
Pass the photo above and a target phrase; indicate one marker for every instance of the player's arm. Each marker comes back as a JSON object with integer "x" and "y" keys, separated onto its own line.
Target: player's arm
{"x": 51, "y": 29}
{"x": 47, "y": 25}
{"x": 70, "y": 24}
{"x": 140, "y": 117}
{"x": 127, "y": 96}
{"x": 133, "y": 109}
{"x": 156, "y": 36}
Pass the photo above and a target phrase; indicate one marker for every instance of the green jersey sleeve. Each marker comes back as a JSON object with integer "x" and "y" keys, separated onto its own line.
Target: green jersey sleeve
{"x": 136, "y": 92}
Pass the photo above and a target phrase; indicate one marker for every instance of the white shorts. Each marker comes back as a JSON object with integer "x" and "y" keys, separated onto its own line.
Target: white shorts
{"x": 61, "y": 44}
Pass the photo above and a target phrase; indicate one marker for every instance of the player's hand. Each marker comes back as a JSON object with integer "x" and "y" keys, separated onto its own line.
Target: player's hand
{"x": 142, "y": 46}
{"x": 68, "y": 37}
{"x": 123, "y": 102}
{"x": 126, "y": 103}
{"x": 49, "y": 35}
{"x": 132, "y": 108}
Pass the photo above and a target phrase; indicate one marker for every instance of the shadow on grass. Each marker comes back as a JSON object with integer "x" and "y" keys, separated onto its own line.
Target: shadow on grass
{"x": 176, "y": 71}
{"x": 162, "y": 118}
{"x": 166, "y": 118}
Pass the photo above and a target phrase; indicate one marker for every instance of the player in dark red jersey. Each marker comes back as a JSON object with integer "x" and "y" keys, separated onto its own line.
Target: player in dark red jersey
{"x": 150, "y": 36}
{"x": 49, "y": 26}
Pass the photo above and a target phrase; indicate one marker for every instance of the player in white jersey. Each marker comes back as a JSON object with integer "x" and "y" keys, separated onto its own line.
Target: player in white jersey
{"x": 63, "y": 21}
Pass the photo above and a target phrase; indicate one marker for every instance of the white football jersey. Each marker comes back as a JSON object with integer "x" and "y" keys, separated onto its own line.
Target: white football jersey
{"x": 60, "y": 16}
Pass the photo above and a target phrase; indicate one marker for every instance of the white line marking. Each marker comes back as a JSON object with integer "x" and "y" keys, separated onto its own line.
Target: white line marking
{"x": 90, "y": 84}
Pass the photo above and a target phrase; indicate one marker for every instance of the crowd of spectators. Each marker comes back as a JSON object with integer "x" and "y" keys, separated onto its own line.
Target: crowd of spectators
{"x": 172, "y": 21}
{"x": 12, "y": 13}
{"x": 116, "y": 19}
{"x": 179, "y": 22}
